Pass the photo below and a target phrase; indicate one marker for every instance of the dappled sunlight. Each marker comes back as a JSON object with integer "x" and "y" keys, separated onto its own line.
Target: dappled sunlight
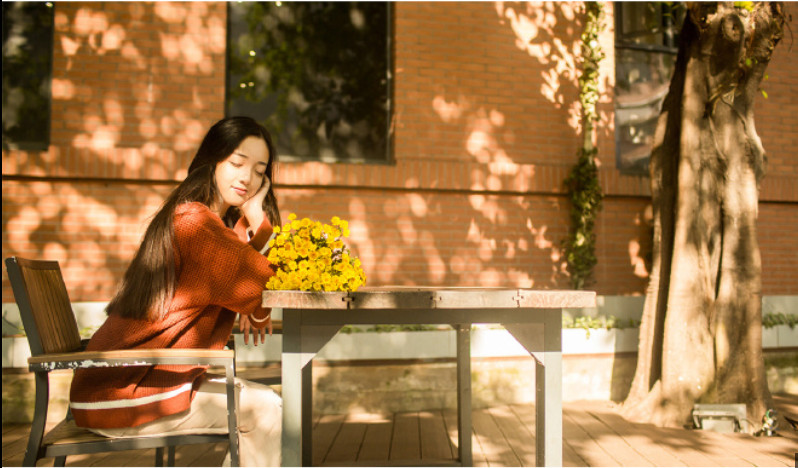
{"x": 640, "y": 247}
{"x": 535, "y": 26}
{"x": 91, "y": 29}
{"x": 499, "y": 226}
{"x": 637, "y": 262}
{"x": 448, "y": 111}
{"x": 19, "y": 240}
{"x": 62, "y": 89}
{"x": 360, "y": 241}
{"x": 436, "y": 267}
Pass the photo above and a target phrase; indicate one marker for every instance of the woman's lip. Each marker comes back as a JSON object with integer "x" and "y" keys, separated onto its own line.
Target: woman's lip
{"x": 240, "y": 191}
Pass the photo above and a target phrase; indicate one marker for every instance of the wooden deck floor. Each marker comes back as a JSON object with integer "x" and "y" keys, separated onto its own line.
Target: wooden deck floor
{"x": 594, "y": 435}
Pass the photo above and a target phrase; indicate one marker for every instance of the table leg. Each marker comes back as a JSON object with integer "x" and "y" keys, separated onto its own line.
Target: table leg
{"x": 463, "y": 332}
{"x": 307, "y": 414}
{"x": 548, "y": 400}
{"x": 548, "y": 410}
{"x": 544, "y": 343}
{"x": 300, "y": 345}
{"x": 292, "y": 407}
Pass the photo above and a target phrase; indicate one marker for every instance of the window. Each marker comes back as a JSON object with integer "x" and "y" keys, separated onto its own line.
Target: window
{"x": 646, "y": 44}
{"x": 27, "y": 72}
{"x": 317, "y": 75}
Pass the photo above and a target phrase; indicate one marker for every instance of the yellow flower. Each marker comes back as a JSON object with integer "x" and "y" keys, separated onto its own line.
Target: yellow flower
{"x": 310, "y": 255}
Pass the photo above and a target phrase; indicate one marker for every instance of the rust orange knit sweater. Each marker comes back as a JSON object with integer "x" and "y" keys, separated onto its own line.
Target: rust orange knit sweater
{"x": 220, "y": 274}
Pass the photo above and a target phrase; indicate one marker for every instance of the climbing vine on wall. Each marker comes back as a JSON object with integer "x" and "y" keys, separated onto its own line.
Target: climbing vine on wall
{"x": 582, "y": 182}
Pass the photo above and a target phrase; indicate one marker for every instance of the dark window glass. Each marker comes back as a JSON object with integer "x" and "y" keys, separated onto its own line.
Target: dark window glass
{"x": 27, "y": 69}
{"x": 317, "y": 75}
{"x": 646, "y": 35}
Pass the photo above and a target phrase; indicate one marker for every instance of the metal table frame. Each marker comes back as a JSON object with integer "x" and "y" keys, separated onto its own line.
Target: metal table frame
{"x": 534, "y": 318}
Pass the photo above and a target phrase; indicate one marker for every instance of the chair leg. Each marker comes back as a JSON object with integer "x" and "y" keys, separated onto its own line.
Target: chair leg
{"x": 159, "y": 456}
{"x": 170, "y": 459}
{"x": 232, "y": 414}
{"x": 32, "y": 453}
{"x": 60, "y": 461}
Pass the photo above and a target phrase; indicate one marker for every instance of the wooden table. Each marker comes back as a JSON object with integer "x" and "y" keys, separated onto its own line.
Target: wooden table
{"x": 534, "y": 318}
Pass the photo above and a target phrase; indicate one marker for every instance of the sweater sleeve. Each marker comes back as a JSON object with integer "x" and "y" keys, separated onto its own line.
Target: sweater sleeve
{"x": 216, "y": 266}
{"x": 258, "y": 238}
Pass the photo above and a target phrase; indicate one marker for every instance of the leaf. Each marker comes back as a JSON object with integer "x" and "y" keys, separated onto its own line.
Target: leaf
{"x": 764, "y": 93}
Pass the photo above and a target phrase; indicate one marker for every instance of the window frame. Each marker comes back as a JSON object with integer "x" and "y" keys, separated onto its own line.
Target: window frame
{"x": 388, "y": 158}
{"x": 670, "y": 47}
{"x": 45, "y": 142}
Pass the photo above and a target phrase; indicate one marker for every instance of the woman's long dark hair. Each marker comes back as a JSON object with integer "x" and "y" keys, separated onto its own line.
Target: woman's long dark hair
{"x": 149, "y": 282}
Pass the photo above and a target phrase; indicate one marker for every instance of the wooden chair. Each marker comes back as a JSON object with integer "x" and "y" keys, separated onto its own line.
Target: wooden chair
{"x": 55, "y": 343}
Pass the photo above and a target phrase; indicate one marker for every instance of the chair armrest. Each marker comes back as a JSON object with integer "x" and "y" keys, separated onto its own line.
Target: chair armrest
{"x": 132, "y": 357}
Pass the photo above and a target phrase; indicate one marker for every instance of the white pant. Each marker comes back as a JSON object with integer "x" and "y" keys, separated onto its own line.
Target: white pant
{"x": 259, "y": 420}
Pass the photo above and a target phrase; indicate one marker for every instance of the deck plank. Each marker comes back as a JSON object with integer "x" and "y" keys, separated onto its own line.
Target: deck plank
{"x": 405, "y": 443}
{"x": 377, "y": 439}
{"x": 435, "y": 443}
{"x": 496, "y": 447}
{"x": 584, "y": 444}
{"x": 14, "y": 432}
{"x": 478, "y": 455}
{"x": 526, "y": 414}
{"x": 647, "y": 440}
{"x": 641, "y": 437}
{"x": 750, "y": 450}
{"x": 15, "y": 447}
{"x": 610, "y": 440}
{"x": 347, "y": 442}
{"x": 324, "y": 433}
{"x": 205, "y": 454}
{"x": 516, "y": 433}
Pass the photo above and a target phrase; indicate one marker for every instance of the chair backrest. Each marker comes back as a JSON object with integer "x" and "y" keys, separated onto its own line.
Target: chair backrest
{"x": 44, "y": 306}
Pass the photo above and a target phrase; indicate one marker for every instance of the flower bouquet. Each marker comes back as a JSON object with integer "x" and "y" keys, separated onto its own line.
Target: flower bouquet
{"x": 311, "y": 256}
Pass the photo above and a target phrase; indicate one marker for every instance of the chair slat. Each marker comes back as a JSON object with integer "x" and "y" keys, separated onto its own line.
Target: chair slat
{"x": 51, "y": 309}
{"x": 66, "y": 324}
{"x": 41, "y": 309}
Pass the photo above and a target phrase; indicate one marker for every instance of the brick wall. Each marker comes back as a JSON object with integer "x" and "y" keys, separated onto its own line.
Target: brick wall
{"x": 485, "y": 131}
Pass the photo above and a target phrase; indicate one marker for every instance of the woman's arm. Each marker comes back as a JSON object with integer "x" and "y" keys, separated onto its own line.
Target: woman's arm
{"x": 216, "y": 266}
{"x": 253, "y": 208}
{"x": 247, "y": 322}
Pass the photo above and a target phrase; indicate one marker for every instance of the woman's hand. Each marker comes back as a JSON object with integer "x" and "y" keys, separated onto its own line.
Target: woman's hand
{"x": 252, "y": 209}
{"x": 258, "y": 329}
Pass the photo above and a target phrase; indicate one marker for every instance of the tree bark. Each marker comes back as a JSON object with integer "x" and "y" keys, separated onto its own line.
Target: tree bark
{"x": 701, "y": 332}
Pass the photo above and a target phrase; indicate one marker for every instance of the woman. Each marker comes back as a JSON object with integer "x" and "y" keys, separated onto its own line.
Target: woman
{"x": 199, "y": 266}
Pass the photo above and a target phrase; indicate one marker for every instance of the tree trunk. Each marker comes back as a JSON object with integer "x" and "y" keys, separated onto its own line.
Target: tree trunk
{"x": 701, "y": 332}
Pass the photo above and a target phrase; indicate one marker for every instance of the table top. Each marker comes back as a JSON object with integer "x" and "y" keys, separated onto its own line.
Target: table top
{"x": 395, "y": 297}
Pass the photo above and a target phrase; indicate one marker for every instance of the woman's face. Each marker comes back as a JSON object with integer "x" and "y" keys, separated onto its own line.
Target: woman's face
{"x": 240, "y": 176}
